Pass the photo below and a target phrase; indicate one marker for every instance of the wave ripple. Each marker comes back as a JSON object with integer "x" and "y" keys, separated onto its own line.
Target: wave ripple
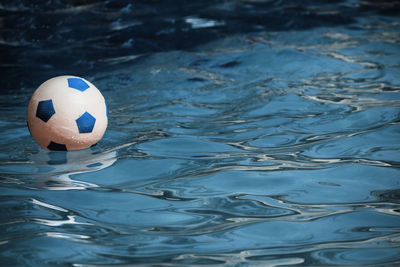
{"x": 270, "y": 146}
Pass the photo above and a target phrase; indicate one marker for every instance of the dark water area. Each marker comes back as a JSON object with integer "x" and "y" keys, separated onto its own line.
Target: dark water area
{"x": 241, "y": 133}
{"x": 42, "y": 39}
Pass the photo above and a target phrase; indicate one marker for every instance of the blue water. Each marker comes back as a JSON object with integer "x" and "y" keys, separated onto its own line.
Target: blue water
{"x": 241, "y": 133}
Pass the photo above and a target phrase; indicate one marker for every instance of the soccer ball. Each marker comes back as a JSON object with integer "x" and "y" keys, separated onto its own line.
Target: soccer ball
{"x": 67, "y": 113}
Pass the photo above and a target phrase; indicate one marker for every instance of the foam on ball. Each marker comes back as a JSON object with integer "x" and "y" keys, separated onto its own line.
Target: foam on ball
{"x": 67, "y": 113}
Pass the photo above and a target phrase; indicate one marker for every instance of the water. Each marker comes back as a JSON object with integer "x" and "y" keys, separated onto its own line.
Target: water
{"x": 241, "y": 133}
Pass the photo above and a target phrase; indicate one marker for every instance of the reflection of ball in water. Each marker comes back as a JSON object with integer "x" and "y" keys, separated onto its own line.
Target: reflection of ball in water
{"x": 55, "y": 169}
{"x": 67, "y": 113}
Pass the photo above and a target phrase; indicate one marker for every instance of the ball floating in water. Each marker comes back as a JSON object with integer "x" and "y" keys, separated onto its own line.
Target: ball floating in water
{"x": 67, "y": 113}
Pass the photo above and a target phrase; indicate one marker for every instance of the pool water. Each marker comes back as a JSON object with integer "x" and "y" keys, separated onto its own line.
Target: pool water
{"x": 241, "y": 133}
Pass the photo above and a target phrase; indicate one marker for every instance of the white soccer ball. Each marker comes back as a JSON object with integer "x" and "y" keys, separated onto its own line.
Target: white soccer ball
{"x": 67, "y": 113}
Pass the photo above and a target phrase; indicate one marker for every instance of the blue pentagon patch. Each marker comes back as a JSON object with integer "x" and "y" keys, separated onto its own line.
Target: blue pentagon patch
{"x": 45, "y": 110}
{"x": 78, "y": 84}
{"x": 85, "y": 123}
{"x": 57, "y": 146}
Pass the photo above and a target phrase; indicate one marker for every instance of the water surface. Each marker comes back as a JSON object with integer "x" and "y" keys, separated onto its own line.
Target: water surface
{"x": 240, "y": 133}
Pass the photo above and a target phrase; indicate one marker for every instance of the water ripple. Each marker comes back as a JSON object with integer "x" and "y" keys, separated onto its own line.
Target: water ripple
{"x": 262, "y": 146}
